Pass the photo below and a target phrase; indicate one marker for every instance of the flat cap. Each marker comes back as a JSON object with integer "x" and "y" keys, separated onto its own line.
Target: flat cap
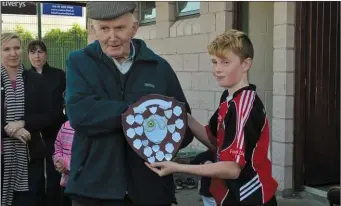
{"x": 107, "y": 10}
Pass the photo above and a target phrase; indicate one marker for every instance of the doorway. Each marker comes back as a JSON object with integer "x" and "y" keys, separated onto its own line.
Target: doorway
{"x": 317, "y": 94}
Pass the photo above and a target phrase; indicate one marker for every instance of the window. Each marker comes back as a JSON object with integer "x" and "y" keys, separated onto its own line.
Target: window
{"x": 147, "y": 11}
{"x": 185, "y": 8}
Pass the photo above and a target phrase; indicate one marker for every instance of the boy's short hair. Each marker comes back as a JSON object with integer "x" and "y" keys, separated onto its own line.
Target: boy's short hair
{"x": 231, "y": 40}
{"x": 36, "y": 44}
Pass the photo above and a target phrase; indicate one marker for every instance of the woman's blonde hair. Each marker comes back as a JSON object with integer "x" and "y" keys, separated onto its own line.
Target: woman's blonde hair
{"x": 8, "y": 36}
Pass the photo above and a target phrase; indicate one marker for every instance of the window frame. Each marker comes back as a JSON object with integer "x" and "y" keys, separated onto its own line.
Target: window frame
{"x": 187, "y": 13}
{"x": 145, "y": 21}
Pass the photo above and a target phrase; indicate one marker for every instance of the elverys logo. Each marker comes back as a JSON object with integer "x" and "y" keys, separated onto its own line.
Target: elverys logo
{"x": 14, "y": 4}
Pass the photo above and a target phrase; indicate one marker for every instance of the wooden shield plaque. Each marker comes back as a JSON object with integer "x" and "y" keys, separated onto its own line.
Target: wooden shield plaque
{"x": 155, "y": 127}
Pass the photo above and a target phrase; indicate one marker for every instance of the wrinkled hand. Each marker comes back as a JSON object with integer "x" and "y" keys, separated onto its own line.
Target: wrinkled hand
{"x": 22, "y": 135}
{"x": 59, "y": 165}
{"x": 13, "y": 127}
{"x": 164, "y": 168}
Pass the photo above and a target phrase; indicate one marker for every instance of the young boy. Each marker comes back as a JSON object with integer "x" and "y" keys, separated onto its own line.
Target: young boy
{"x": 238, "y": 131}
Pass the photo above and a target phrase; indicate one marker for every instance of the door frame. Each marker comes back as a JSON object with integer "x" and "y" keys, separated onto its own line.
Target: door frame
{"x": 300, "y": 100}
{"x": 300, "y": 92}
{"x": 237, "y": 22}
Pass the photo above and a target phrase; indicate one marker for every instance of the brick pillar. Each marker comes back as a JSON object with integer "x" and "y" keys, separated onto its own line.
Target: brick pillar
{"x": 165, "y": 17}
{"x": 283, "y": 94}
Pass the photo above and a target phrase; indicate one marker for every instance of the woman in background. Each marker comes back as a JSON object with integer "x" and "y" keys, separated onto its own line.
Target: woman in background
{"x": 24, "y": 113}
{"x": 55, "y": 81}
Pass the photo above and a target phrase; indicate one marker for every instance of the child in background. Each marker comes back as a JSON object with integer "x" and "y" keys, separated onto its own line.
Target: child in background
{"x": 206, "y": 157}
{"x": 62, "y": 156}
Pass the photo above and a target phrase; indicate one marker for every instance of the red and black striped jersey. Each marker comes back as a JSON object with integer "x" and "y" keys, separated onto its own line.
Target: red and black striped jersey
{"x": 241, "y": 132}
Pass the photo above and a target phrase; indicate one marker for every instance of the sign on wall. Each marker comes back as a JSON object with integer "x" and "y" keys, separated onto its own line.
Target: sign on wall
{"x": 62, "y": 10}
{"x": 18, "y": 7}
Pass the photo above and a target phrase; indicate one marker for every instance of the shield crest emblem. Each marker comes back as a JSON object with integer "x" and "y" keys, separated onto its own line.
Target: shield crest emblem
{"x": 155, "y": 127}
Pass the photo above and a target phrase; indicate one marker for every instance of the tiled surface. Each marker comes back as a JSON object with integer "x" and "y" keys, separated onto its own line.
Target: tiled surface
{"x": 191, "y": 198}
{"x": 326, "y": 188}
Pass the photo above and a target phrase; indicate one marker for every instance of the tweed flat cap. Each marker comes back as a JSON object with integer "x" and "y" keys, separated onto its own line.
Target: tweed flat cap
{"x": 107, "y": 10}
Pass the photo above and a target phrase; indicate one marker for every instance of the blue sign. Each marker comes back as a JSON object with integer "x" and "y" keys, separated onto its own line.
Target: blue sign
{"x": 62, "y": 10}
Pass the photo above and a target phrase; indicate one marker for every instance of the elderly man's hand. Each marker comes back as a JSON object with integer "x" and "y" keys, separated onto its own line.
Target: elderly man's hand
{"x": 23, "y": 135}
{"x": 13, "y": 127}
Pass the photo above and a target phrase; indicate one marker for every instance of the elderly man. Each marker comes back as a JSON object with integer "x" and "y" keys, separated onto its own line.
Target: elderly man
{"x": 102, "y": 81}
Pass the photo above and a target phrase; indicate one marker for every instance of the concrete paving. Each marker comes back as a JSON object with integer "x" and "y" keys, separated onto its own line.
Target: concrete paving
{"x": 191, "y": 197}
{"x": 299, "y": 202}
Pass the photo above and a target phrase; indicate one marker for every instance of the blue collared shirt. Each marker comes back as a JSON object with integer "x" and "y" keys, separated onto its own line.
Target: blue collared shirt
{"x": 125, "y": 66}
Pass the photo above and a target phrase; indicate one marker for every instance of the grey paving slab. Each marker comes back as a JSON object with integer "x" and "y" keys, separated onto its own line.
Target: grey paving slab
{"x": 192, "y": 198}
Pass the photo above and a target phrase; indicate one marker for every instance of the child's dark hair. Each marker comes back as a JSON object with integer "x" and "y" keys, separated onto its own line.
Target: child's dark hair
{"x": 36, "y": 44}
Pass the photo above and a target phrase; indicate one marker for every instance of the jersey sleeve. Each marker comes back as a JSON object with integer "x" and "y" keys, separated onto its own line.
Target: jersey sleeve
{"x": 243, "y": 126}
{"x": 211, "y": 128}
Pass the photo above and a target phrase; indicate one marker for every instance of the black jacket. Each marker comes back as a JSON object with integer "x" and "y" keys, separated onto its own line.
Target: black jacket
{"x": 55, "y": 81}
{"x": 39, "y": 112}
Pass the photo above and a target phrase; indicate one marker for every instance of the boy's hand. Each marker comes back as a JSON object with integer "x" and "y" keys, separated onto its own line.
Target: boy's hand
{"x": 164, "y": 168}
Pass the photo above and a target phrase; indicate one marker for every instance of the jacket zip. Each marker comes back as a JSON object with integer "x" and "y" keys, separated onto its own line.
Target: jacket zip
{"x": 122, "y": 92}
{"x": 88, "y": 148}
{"x": 118, "y": 81}
{"x": 45, "y": 175}
{"x": 41, "y": 137}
